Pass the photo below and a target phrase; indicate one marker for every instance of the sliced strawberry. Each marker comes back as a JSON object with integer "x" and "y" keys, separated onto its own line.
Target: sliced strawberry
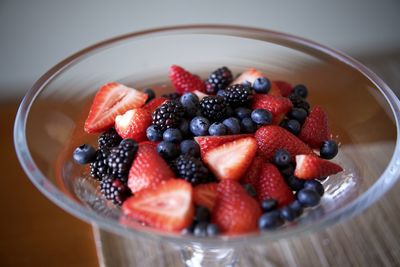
{"x": 284, "y": 87}
{"x": 231, "y": 160}
{"x": 277, "y": 105}
{"x": 251, "y": 75}
{"x": 155, "y": 103}
{"x": 169, "y": 206}
{"x": 111, "y": 100}
{"x": 184, "y": 81}
{"x": 253, "y": 172}
{"x": 313, "y": 167}
{"x": 271, "y": 184}
{"x": 271, "y": 138}
{"x": 315, "y": 129}
{"x": 148, "y": 168}
{"x": 235, "y": 211}
{"x": 205, "y": 195}
{"x": 133, "y": 124}
{"x": 209, "y": 142}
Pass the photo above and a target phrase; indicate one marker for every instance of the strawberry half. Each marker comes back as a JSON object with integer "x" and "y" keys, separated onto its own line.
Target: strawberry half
{"x": 271, "y": 138}
{"x": 253, "y": 172}
{"x": 155, "y": 103}
{"x": 111, "y": 100}
{"x": 313, "y": 167}
{"x": 271, "y": 184}
{"x": 133, "y": 124}
{"x": 315, "y": 129}
{"x": 184, "y": 81}
{"x": 231, "y": 160}
{"x": 169, "y": 206}
{"x": 235, "y": 211}
{"x": 277, "y": 105}
{"x": 251, "y": 75}
{"x": 148, "y": 168}
{"x": 284, "y": 87}
{"x": 205, "y": 195}
{"x": 207, "y": 143}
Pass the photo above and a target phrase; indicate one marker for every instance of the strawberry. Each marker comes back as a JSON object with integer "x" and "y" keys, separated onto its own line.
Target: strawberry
{"x": 184, "y": 81}
{"x": 277, "y": 105}
{"x": 315, "y": 129}
{"x": 154, "y": 103}
{"x": 235, "y": 211}
{"x": 271, "y": 137}
{"x": 313, "y": 167}
{"x": 251, "y": 75}
{"x": 205, "y": 195}
{"x": 133, "y": 124}
{"x": 252, "y": 173}
{"x": 168, "y": 206}
{"x": 209, "y": 142}
{"x": 284, "y": 87}
{"x": 271, "y": 184}
{"x": 111, "y": 100}
{"x": 148, "y": 168}
{"x": 231, "y": 160}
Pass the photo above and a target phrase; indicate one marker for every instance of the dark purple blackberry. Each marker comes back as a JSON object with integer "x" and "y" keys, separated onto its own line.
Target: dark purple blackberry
{"x": 109, "y": 139}
{"x": 115, "y": 190}
{"x": 191, "y": 169}
{"x": 120, "y": 159}
{"x": 99, "y": 168}
{"x": 172, "y": 96}
{"x": 168, "y": 115}
{"x": 213, "y": 107}
{"x": 299, "y": 102}
{"x": 219, "y": 80}
{"x": 238, "y": 95}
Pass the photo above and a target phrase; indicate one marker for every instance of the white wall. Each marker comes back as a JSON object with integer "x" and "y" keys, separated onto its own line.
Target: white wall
{"x": 35, "y": 35}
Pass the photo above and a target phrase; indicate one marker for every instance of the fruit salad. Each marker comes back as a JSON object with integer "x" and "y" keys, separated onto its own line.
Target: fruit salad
{"x": 220, "y": 156}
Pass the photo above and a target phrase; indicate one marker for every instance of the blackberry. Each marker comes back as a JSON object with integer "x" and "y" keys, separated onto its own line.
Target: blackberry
{"x": 120, "y": 158}
{"x": 299, "y": 102}
{"x": 99, "y": 168}
{"x": 172, "y": 96}
{"x": 115, "y": 190}
{"x": 213, "y": 107}
{"x": 191, "y": 169}
{"x": 238, "y": 95}
{"x": 168, "y": 115}
{"x": 219, "y": 79}
{"x": 109, "y": 139}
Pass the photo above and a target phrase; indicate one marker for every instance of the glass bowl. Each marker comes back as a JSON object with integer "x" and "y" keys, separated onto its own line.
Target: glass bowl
{"x": 362, "y": 110}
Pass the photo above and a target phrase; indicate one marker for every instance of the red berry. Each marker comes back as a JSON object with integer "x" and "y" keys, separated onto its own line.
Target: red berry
{"x": 277, "y": 105}
{"x": 315, "y": 129}
{"x": 133, "y": 124}
{"x": 205, "y": 195}
{"x": 312, "y": 167}
{"x": 184, "y": 81}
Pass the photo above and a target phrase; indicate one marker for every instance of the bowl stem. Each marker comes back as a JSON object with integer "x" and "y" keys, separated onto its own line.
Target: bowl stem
{"x": 196, "y": 256}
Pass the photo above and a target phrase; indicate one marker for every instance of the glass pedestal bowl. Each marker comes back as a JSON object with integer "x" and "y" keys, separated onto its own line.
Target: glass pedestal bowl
{"x": 362, "y": 110}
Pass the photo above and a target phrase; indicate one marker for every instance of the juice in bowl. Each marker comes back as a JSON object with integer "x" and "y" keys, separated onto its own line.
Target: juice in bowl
{"x": 51, "y": 121}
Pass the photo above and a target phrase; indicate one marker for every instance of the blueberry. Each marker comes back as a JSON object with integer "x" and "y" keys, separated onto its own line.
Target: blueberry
{"x": 248, "y": 126}
{"x": 250, "y": 190}
{"x": 328, "y": 149}
{"x": 190, "y": 102}
{"x": 167, "y": 150}
{"x": 199, "y": 126}
{"x": 217, "y": 128}
{"x": 261, "y": 116}
{"x": 212, "y": 229}
{"x": 296, "y": 207}
{"x": 298, "y": 114}
{"x": 84, "y": 154}
{"x": 282, "y": 158}
{"x": 150, "y": 93}
{"x": 292, "y": 126}
{"x": 172, "y": 135}
{"x": 232, "y": 124}
{"x": 262, "y": 85}
{"x": 202, "y": 214}
{"x": 286, "y": 172}
{"x": 288, "y": 214}
{"x": 190, "y": 147}
{"x": 184, "y": 127}
{"x": 153, "y": 133}
{"x": 188, "y": 230}
{"x": 242, "y": 113}
{"x": 295, "y": 183}
{"x": 246, "y": 83}
{"x": 270, "y": 220}
{"x": 308, "y": 197}
{"x": 221, "y": 93}
{"x": 200, "y": 229}
{"x": 269, "y": 204}
{"x": 316, "y": 186}
{"x": 300, "y": 90}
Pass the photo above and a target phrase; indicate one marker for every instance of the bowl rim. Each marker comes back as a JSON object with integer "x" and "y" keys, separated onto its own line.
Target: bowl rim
{"x": 389, "y": 176}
